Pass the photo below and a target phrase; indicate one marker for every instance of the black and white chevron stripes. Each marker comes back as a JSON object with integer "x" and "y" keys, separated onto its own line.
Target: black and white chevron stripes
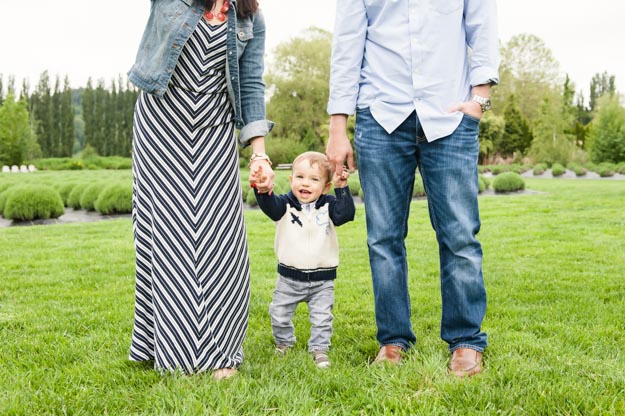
{"x": 192, "y": 268}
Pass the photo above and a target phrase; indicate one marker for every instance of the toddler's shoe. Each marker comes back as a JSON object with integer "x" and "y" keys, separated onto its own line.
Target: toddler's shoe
{"x": 321, "y": 359}
{"x": 282, "y": 349}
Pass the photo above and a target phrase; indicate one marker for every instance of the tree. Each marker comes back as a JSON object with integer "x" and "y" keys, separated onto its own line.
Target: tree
{"x": 298, "y": 82}
{"x": 88, "y": 113}
{"x": 66, "y": 122}
{"x": 42, "y": 113}
{"x": 607, "y": 131}
{"x": 600, "y": 85}
{"x": 55, "y": 120}
{"x": 551, "y": 143}
{"x": 491, "y": 131}
{"x": 517, "y": 135}
{"x": 528, "y": 70}
{"x": 17, "y": 140}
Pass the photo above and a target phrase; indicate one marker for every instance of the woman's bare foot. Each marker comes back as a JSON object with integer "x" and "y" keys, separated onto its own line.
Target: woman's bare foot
{"x": 224, "y": 373}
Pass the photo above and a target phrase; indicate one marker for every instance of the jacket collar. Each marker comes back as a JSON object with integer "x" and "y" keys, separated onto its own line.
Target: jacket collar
{"x": 190, "y": 2}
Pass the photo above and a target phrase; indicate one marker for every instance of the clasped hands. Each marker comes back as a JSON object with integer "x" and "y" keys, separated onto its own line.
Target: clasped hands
{"x": 261, "y": 176}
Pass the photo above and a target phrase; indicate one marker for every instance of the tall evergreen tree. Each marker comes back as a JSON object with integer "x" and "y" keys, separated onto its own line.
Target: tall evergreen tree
{"x": 100, "y": 118}
{"x": 131, "y": 94}
{"x": 517, "y": 136}
{"x": 607, "y": 131}
{"x": 88, "y": 113}
{"x": 55, "y": 116}
{"x": 67, "y": 135}
{"x": 492, "y": 128}
{"x": 42, "y": 112}
{"x": 11, "y": 86}
{"x": 600, "y": 85}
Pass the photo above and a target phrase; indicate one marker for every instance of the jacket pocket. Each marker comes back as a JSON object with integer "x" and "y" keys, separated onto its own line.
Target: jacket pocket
{"x": 170, "y": 9}
{"x": 245, "y": 33}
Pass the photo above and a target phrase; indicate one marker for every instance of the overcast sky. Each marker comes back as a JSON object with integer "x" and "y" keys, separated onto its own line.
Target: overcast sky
{"x": 99, "y": 38}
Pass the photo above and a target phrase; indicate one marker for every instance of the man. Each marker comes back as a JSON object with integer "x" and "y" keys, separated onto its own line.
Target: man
{"x": 418, "y": 75}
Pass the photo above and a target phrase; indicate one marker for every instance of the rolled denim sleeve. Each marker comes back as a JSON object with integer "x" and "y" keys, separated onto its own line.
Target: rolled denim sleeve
{"x": 348, "y": 46}
{"x": 251, "y": 67}
{"x": 480, "y": 17}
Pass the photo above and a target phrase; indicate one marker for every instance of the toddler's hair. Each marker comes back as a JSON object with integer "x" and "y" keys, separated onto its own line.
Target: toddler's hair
{"x": 316, "y": 158}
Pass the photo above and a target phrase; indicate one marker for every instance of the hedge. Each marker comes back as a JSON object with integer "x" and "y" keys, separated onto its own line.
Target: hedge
{"x": 31, "y": 202}
{"x": 557, "y": 170}
{"x": 73, "y": 199}
{"x": 508, "y": 182}
{"x": 114, "y": 199}
{"x": 539, "y": 169}
{"x": 90, "y": 195}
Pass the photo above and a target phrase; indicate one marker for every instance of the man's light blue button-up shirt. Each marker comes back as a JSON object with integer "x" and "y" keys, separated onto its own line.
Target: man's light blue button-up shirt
{"x": 398, "y": 56}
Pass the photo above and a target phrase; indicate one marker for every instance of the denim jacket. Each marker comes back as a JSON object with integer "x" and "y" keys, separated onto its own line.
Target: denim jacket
{"x": 170, "y": 25}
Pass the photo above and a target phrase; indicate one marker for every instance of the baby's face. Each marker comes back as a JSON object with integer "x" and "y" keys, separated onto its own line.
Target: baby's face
{"x": 308, "y": 182}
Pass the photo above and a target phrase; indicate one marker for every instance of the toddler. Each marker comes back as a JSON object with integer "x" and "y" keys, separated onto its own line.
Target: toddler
{"x": 307, "y": 249}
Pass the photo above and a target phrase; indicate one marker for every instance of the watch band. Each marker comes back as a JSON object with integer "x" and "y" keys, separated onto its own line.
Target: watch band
{"x": 482, "y": 101}
{"x": 260, "y": 156}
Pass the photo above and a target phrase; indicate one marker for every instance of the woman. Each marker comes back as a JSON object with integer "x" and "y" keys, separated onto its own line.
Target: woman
{"x": 199, "y": 67}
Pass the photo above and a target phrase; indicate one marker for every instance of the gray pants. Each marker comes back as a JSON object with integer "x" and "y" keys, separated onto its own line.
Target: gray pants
{"x": 320, "y": 299}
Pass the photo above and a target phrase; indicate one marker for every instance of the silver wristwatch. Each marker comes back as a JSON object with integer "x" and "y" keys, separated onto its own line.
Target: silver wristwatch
{"x": 482, "y": 101}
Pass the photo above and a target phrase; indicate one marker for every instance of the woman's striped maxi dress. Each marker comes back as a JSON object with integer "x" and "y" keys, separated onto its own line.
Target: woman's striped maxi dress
{"x": 192, "y": 268}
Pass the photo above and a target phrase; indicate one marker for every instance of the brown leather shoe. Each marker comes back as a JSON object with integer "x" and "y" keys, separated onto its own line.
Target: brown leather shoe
{"x": 391, "y": 354}
{"x": 465, "y": 362}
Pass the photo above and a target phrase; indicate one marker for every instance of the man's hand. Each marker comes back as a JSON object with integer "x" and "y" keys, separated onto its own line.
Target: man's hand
{"x": 339, "y": 150}
{"x": 470, "y": 108}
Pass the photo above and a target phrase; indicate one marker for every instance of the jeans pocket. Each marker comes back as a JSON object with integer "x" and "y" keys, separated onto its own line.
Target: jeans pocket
{"x": 471, "y": 118}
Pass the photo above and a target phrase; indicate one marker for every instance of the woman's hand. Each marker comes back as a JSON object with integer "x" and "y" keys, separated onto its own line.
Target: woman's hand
{"x": 261, "y": 176}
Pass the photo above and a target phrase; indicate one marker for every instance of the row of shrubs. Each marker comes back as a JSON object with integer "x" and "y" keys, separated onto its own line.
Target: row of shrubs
{"x": 40, "y": 201}
{"x": 84, "y": 163}
{"x": 37, "y": 198}
{"x": 505, "y": 182}
{"x": 603, "y": 169}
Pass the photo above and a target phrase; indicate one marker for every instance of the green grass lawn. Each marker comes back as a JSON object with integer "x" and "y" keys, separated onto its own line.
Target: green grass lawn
{"x": 554, "y": 268}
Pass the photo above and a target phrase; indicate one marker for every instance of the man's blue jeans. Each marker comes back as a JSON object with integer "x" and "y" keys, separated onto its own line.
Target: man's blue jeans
{"x": 448, "y": 166}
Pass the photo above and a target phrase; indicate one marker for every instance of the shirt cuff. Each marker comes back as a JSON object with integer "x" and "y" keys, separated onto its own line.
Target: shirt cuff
{"x": 483, "y": 75}
{"x": 341, "y": 107}
{"x": 254, "y": 129}
{"x": 342, "y": 192}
